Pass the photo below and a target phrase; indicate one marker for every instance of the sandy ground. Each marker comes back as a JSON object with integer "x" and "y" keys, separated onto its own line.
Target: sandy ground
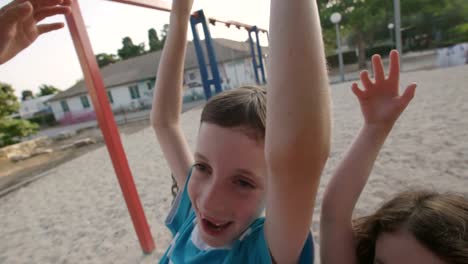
{"x": 77, "y": 214}
{"x": 13, "y": 173}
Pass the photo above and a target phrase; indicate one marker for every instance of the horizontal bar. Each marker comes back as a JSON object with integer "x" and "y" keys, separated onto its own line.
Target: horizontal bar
{"x": 153, "y": 4}
{"x": 233, "y": 23}
{"x": 162, "y": 5}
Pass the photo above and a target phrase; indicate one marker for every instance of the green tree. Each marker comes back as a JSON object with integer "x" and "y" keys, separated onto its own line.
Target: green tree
{"x": 8, "y": 101}
{"x": 361, "y": 20}
{"x": 11, "y": 130}
{"x": 164, "y": 32}
{"x": 45, "y": 89}
{"x": 442, "y": 21}
{"x": 129, "y": 49}
{"x": 154, "y": 43}
{"x": 26, "y": 94}
{"x": 104, "y": 59}
{"x": 364, "y": 23}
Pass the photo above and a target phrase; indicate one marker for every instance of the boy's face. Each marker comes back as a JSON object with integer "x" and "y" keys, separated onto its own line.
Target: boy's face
{"x": 227, "y": 186}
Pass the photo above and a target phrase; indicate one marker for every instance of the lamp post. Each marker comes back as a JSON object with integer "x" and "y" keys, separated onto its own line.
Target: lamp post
{"x": 396, "y": 7}
{"x": 335, "y": 19}
{"x": 390, "y": 28}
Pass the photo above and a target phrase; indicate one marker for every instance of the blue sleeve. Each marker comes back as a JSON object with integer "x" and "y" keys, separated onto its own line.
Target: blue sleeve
{"x": 180, "y": 209}
{"x": 254, "y": 248}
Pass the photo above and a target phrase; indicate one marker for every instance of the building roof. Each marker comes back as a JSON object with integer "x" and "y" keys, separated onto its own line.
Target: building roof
{"x": 144, "y": 67}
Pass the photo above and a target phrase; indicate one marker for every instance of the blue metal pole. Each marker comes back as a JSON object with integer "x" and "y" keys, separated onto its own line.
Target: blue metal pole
{"x": 200, "y": 57}
{"x": 216, "y": 81}
{"x": 199, "y": 17}
{"x": 254, "y": 58}
{"x": 260, "y": 57}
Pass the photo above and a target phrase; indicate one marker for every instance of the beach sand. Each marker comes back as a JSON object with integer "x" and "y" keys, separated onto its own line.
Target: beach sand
{"x": 77, "y": 214}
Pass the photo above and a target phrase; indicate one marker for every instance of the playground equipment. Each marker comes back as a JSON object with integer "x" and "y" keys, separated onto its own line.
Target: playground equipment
{"x": 105, "y": 118}
{"x": 255, "y": 50}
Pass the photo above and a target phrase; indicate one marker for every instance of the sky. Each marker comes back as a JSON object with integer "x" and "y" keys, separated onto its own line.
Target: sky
{"x": 52, "y": 59}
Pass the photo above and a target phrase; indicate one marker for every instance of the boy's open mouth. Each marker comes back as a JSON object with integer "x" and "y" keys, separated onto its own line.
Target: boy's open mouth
{"x": 213, "y": 228}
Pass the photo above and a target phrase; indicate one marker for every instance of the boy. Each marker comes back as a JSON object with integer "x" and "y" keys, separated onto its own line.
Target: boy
{"x": 252, "y": 153}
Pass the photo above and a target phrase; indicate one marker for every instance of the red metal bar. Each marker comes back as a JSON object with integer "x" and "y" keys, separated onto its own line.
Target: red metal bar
{"x": 165, "y": 6}
{"x": 108, "y": 126}
{"x": 153, "y": 4}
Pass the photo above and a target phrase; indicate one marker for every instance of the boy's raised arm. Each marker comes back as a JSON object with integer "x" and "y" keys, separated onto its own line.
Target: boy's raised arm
{"x": 298, "y": 125}
{"x": 167, "y": 102}
{"x": 381, "y": 105}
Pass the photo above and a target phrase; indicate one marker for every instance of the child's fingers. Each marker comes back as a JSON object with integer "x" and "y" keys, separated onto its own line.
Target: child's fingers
{"x": 49, "y": 27}
{"x": 358, "y": 92}
{"x": 394, "y": 71}
{"x": 408, "y": 95}
{"x": 379, "y": 73}
{"x": 366, "y": 81}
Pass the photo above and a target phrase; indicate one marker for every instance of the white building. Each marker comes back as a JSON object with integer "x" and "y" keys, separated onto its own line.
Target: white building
{"x": 29, "y": 107}
{"x": 130, "y": 83}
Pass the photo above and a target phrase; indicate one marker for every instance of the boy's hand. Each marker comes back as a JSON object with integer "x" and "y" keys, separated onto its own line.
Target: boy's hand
{"x": 19, "y": 23}
{"x": 380, "y": 101}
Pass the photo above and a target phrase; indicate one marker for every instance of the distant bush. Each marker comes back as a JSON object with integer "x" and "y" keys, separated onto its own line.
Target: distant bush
{"x": 44, "y": 120}
{"x": 12, "y": 130}
{"x": 349, "y": 57}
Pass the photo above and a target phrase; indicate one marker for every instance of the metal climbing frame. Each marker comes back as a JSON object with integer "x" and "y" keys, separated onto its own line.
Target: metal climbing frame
{"x": 257, "y": 56}
{"x": 257, "y": 61}
{"x": 199, "y": 18}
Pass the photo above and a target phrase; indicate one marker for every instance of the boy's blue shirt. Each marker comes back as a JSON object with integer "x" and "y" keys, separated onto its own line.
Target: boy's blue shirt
{"x": 188, "y": 247}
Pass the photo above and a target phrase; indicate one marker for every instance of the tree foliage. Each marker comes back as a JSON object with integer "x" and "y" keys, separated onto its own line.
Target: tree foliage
{"x": 164, "y": 32}
{"x": 130, "y": 50}
{"x": 45, "y": 89}
{"x": 364, "y": 22}
{"x": 154, "y": 43}
{"x": 8, "y": 101}
{"x": 360, "y": 21}
{"x": 104, "y": 59}
{"x": 12, "y": 130}
{"x": 26, "y": 94}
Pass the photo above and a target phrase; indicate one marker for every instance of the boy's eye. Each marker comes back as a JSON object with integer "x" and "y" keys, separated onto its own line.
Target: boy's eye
{"x": 244, "y": 184}
{"x": 200, "y": 167}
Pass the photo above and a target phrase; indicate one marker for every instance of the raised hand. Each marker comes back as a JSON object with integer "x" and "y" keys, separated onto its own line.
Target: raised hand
{"x": 381, "y": 103}
{"x": 19, "y": 23}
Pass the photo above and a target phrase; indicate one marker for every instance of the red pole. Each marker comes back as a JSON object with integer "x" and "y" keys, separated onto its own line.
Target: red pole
{"x": 108, "y": 127}
{"x": 160, "y": 5}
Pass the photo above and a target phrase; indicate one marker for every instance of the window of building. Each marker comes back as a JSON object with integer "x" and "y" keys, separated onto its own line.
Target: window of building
{"x": 134, "y": 91}
{"x": 64, "y": 105}
{"x": 84, "y": 101}
{"x": 109, "y": 95}
{"x": 192, "y": 76}
{"x": 150, "y": 84}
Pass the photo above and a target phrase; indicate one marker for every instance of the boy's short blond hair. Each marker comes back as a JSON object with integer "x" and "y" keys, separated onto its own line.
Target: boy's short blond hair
{"x": 242, "y": 108}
